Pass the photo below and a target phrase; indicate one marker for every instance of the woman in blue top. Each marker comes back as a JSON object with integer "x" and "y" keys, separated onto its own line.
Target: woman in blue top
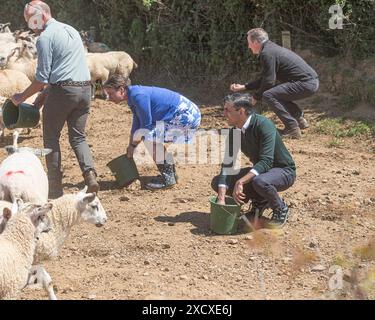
{"x": 159, "y": 116}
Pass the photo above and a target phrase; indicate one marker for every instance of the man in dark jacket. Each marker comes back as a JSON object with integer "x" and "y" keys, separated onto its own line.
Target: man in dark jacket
{"x": 297, "y": 80}
{"x": 273, "y": 168}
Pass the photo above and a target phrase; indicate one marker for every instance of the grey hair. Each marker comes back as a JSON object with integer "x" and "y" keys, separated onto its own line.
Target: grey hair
{"x": 240, "y": 100}
{"x": 116, "y": 81}
{"x": 258, "y": 34}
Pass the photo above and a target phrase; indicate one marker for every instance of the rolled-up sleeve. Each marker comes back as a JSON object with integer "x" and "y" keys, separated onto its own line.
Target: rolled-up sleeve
{"x": 43, "y": 70}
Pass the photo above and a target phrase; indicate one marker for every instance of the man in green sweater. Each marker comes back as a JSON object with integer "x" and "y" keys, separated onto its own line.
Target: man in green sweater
{"x": 273, "y": 167}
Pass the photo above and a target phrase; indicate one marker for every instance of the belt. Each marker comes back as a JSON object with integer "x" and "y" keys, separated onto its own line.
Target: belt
{"x": 72, "y": 83}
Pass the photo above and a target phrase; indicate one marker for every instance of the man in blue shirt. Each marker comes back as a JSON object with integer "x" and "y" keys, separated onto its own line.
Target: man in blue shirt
{"x": 159, "y": 115}
{"x": 63, "y": 73}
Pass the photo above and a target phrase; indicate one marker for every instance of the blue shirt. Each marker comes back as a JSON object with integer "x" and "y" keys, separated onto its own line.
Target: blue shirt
{"x": 151, "y": 104}
{"x": 61, "y": 55}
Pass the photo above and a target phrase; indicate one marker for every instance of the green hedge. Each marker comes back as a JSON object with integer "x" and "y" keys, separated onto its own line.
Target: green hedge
{"x": 182, "y": 43}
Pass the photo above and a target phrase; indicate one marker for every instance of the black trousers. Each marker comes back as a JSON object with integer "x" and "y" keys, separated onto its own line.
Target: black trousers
{"x": 262, "y": 188}
{"x": 69, "y": 105}
{"x": 280, "y": 99}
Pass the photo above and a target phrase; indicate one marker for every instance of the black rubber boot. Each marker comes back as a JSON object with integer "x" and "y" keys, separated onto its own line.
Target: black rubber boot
{"x": 166, "y": 180}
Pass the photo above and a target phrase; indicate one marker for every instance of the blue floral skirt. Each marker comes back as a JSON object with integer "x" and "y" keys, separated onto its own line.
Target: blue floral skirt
{"x": 181, "y": 128}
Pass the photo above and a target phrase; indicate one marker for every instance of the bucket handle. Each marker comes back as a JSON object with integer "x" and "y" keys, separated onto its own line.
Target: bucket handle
{"x": 230, "y": 213}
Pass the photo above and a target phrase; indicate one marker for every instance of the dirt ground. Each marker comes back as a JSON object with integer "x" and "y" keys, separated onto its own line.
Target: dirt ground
{"x": 158, "y": 245}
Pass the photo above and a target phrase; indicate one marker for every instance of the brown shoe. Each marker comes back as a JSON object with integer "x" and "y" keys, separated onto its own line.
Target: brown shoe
{"x": 90, "y": 181}
{"x": 294, "y": 133}
{"x": 302, "y": 122}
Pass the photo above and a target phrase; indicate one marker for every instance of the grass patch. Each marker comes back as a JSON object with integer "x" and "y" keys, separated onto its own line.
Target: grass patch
{"x": 342, "y": 261}
{"x": 340, "y": 128}
{"x": 335, "y": 143}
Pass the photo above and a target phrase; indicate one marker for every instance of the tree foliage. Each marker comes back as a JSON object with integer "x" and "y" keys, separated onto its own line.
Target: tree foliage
{"x": 185, "y": 42}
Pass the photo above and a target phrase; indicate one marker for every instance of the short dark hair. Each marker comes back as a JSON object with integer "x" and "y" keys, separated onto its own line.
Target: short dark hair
{"x": 116, "y": 81}
{"x": 240, "y": 100}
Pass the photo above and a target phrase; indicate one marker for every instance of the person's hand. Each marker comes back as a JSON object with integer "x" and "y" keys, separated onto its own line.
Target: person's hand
{"x": 253, "y": 101}
{"x": 130, "y": 151}
{"x": 235, "y": 87}
{"x": 39, "y": 100}
{"x": 238, "y": 194}
{"x": 17, "y": 98}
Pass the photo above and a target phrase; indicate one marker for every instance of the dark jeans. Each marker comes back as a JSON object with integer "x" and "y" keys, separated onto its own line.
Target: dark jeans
{"x": 261, "y": 188}
{"x": 70, "y": 105}
{"x": 280, "y": 99}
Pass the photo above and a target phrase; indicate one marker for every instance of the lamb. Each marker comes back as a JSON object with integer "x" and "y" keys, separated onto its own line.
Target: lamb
{"x": 12, "y": 81}
{"x": 103, "y": 65}
{"x": 6, "y": 50}
{"x": 22, "y": 176}
{"x": 4, "y": 27}
{"x": 68, "y": 210}
{"x": 17, "y": 246}
{"x": 23, "y": 59}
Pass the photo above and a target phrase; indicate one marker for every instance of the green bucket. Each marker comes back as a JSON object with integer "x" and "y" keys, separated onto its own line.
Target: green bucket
{"x": 224, "y": 218}
{"x": 22, "y": 116}
{"x": 124, "y": 169}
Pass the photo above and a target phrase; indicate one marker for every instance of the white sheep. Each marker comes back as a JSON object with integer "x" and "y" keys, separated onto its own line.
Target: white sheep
{"x": 23, "y": 59}
{"x": 17, "y": 246}
{"x": 103, "y": 65}
{"x": 12, "y": 81}
{"x": 22, "y": 176}
{"x": 4, "y": 27}
{"x": 68, "y": 210}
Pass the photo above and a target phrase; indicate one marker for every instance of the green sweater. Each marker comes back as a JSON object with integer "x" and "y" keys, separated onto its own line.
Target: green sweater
{"x": 262, "y": 144}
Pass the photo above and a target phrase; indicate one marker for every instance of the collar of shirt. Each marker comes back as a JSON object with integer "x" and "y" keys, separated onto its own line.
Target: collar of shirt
{"x": 52, "y": 20}
{"x": 246, "y": 124}
{"x": 263, "y": 44}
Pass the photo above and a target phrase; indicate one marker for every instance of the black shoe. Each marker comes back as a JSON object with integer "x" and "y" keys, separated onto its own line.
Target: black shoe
{"x": 90, "y": 181}
{"x": 279, "y": 217}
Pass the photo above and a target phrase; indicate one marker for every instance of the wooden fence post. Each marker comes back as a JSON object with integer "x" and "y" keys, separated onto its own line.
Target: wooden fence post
{"x": 285, "y": 36}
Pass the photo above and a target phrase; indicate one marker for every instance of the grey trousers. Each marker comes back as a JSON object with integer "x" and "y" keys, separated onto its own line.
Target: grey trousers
{"x": 280, "y": 99}
{"x": 70, "y": 105}
{"x": 262, "y": 188}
